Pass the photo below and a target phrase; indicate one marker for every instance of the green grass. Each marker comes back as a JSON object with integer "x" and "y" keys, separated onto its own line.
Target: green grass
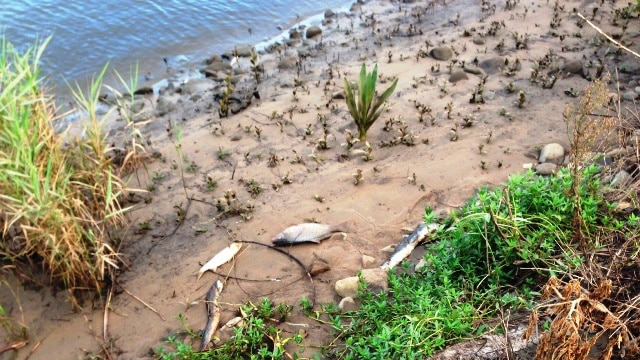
{"x": 59, "y": 196}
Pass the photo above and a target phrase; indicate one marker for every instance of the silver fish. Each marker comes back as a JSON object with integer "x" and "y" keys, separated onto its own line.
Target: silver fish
{"x": 213, "y": 313}
{"x": 309, "y": 232}
{"x": 220, "y": 258}
{"x": 406, "y": 246}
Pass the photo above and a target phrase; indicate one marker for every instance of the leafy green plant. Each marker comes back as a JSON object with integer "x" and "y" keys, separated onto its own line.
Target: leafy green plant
{"x": 364, "y": 106}
{"x": 258, "y": 338}
{"x": 471, "y": 268}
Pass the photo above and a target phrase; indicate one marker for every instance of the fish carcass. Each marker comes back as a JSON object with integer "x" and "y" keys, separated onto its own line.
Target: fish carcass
{"x": 220, "y": 258}
{"x": 309, "y": 232}
{"x": 406, "y": 246}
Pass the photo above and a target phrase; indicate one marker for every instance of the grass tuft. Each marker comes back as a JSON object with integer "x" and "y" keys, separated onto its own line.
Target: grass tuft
{"x": 59, "y": 198}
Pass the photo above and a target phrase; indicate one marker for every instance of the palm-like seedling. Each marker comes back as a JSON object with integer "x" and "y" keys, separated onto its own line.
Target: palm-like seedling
{"x": 365, "y": 107}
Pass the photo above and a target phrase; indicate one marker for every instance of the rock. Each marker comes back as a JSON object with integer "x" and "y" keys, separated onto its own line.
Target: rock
{"x": 637, "y": 89}
{"x": 329, "y": 14}
{"x": 621, "y": 178}
{"x": 458, "y": 75}
{"x": 492, "y": 65}
{"x": 375, "y": 278}
{"x": 478, "y": 40}
{"x": 313, "y": 31}
{"x": 214, "y": 59}
{"x": 319, "y": 267}
{"x": 573, "y": 67}
{"x": 546, "y": 169}
{"x": 294, "y": 34}
{"x": 213, "y": 69}
{"x": 552, "y": 153}
{"x": 338, "y": 95}
{"x": 630, "y": 96}
{"x": 348, "y": 304}
{"x": 442, "y": 53}
{"x": 144, "y": 90}
{"x": 165, "y": 105}
{"x": 368, "y": 261}
{"x": 288, "y": 63}
{"x": 243, "y": 50}
{"x": 389, "y": 249}
{"x": 196, "y": 86}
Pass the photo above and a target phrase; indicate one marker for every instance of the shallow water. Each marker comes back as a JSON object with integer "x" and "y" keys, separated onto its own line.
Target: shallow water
{"x": 87, "y": 35}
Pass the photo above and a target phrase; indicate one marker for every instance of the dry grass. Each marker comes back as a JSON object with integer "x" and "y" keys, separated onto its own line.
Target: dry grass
{"x": 60, "y": 201}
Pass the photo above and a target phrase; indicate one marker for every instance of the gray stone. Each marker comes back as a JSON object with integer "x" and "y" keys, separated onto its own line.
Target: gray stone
{"x": 375, "y": 278}
{"x": 288, "y": 63}
{"x": 630, "y": 96}
{"x": 329, "y": 14}
{"x": 621, "y": 178}
{"x": 243, "y": 50}
{"x": 294, "y": 34}
{"x": 552, "y": 153}
{"x": 348, "y": 304}
{"x": 214, "y": 68}
{"x": 573, "y": 67}
{"x": 492, "y": 65}
{"x": 138, "y": 106}
{"x": 458, "y": 75}
{"x": 637, "y": 89}
{"x": 442, "y": 53}
{"x": 478, "y": 40}
{"x": 338, "y": 95}
{"x": 214, "y": 59}
{"x": 293, "y": 42}
{"x": 546, "y": 169}
{"x": 313, "y": 31}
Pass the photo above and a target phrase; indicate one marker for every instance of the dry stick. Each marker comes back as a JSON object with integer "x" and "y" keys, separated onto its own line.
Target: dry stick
{"x": 105, "y": 318}
{"x": 607, "y": 36}
{"x": 144, "y": 303}
{"x": 14, "y": 346}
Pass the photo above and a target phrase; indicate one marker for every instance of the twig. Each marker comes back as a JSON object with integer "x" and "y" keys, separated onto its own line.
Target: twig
{"x": 105, "y": 318}
{"x": 608, "y": 37}
{"x": 15, "y": 346}
{"x": 282, "y": 252}
{"x": 144, "y": 303}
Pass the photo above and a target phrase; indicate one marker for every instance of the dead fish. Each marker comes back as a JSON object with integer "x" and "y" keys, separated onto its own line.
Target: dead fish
{"x": 309, "y": 232}
{"x": 406, "y": 246}
{"x": 220, "y": 258}
{"x": 213, "y": 313}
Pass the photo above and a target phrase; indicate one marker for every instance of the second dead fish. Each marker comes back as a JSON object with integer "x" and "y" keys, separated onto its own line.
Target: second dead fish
{"x": 406, "y": 246}
{"x": 310, "y": 232}
{"x": 213, "y": 313}
{"x": 220, "y": 258}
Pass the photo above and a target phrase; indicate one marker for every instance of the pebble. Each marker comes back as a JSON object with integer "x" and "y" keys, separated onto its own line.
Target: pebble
{"x": 348, "y": 304}
{"x": 313, "y": 31}
{"x": 553, "y": 153}
{"x": 630, "y": 96}
{"x": 376, "y": 278}
{"x": 458, "y": 75}
{"x": 442, "y": 53}
{"x": 546, "y": 169}
{"x": 368, "y": 261}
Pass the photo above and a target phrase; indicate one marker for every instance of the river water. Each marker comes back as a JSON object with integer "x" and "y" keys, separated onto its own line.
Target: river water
{"x": 85, "y": 35}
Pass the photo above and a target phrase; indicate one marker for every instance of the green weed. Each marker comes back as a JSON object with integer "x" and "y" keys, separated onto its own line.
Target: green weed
{"x": 364, "y": 106}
